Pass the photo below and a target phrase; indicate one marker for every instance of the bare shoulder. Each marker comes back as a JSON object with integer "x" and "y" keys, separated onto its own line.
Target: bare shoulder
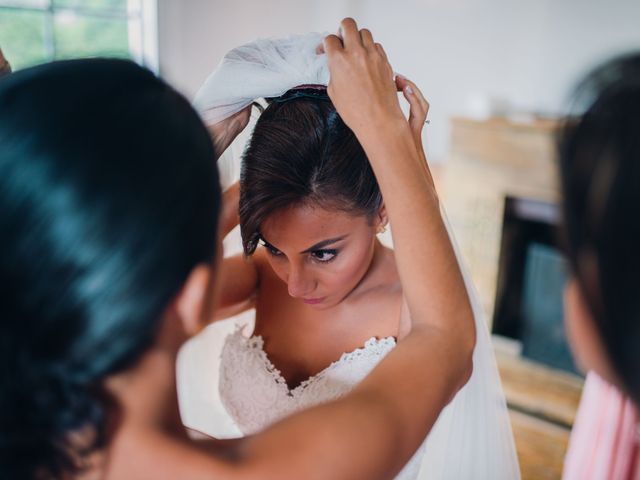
{"x": 272, "y": 295}
{"x": 266, "y": 276}
{"x": 134, "y": 455}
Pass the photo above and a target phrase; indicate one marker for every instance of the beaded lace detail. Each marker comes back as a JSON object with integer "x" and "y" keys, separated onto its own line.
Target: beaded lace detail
{"x": 255, "y": 393}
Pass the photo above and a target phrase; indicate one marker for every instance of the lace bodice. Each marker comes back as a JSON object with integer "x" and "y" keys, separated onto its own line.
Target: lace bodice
{"x": 256, "y": 395}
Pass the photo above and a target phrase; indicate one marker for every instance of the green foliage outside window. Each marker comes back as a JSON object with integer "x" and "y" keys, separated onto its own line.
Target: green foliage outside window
{"x": 89, "y": 4}
{"x": 85, "y": 36}
{"x": 22, "y": 37}
{"x": 57, "y": 29}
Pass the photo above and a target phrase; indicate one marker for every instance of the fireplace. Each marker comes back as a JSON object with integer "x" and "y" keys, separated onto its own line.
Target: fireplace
{"x": 532, "y": 272}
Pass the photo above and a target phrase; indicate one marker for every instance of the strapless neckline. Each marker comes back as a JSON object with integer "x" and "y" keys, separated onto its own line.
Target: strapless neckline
{"x": 257, "y": 342}
{"x": 255, "y": 394}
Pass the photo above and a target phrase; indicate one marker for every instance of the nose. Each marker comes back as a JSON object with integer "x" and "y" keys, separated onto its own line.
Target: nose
{"x": 299, "y": 282}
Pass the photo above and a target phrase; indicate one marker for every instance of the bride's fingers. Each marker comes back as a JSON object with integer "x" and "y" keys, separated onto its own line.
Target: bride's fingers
{"x": 420, "y": 96}
{"x": 418, "y": 106}
{"x": 349, "y": 33}
{"x": 413, "y": 95}
{"x": 367, "y": 38}
{"x": 331, "y": 44}
{"x": 381, "y": 51}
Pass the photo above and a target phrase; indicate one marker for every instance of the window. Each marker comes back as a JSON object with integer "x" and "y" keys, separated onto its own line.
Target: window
{"x": 37, "y": 31}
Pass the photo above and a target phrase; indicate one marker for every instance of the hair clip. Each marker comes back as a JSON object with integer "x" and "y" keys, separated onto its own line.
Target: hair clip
{"x": 316, "y": 92}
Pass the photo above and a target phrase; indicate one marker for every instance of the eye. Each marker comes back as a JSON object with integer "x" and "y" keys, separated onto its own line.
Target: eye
{"x": 324, "y": 256}
{"x": 272, "y": 251}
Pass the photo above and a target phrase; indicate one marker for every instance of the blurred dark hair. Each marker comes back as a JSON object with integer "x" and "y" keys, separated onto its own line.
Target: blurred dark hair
{"x": 109, "y": 198}
{"x": 301, "y": 152}
{"x": 600, "y": 174}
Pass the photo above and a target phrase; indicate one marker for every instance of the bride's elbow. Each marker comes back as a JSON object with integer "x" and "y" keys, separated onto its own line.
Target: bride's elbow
{"x": 466, "y": 372}
{"x": 467, "y": 346}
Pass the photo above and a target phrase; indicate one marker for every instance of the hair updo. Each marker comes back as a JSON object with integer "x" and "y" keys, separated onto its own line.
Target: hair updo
{"x": 302, "y": 153}
{"x": 109, "y": 197}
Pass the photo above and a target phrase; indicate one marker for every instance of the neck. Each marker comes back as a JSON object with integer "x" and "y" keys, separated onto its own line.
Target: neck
{"x": 147, "y": 394}
{"x": 370, "y": 278}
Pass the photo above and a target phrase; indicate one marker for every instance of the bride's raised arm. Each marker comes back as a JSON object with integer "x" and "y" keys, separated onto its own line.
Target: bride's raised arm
{"x": 364, "y": 93}
{"x": 238, "y": 275}
{"x": 373, "y": 431}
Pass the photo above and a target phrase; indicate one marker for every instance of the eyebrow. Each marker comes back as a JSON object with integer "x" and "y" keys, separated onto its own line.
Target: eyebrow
{"x": 317, "y": 246}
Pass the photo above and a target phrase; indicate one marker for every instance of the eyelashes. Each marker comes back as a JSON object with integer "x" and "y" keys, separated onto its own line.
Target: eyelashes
{"x": 272, "y": 251}
{"x": 318, "y": 256}
{"x": 324, "y": 256}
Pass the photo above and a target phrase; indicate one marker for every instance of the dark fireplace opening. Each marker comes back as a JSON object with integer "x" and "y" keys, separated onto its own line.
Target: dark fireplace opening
{"x": 532, "y": 272}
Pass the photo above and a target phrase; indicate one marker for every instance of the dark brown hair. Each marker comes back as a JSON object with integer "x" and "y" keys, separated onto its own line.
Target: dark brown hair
{"x": 301, "y": 153}
{"x": 103, "y": 216}
{"x": 600, "y": 172}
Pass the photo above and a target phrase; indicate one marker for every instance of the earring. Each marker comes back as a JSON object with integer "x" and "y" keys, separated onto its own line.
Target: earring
{"x": 382, "y": 228}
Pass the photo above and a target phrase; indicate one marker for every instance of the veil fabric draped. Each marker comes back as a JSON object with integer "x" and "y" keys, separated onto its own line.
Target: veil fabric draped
{"x": 261, "y": 69}
{"x": 472, "y": 438}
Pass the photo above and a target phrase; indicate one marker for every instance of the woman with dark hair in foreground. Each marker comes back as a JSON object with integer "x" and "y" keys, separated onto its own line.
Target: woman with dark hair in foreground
{"x": 109, "y": 210}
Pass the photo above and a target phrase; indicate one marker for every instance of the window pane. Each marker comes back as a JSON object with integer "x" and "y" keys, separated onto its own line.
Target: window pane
{"x": 84, "y": 36}
{"x": 119, "y": 5}
{"x": 22, "y": 37}
{"x": 25, "y": 3}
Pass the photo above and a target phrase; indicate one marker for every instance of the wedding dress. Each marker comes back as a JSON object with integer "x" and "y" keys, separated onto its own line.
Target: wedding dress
{"x": 256, "y": 395}
{"x": 229, "y": 388}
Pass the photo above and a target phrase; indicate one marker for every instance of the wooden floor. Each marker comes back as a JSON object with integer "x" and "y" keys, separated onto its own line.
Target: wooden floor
{"x": 542, "y": 403}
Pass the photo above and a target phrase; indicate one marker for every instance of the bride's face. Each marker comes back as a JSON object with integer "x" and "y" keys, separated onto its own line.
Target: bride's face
{"x": 322, "y": 255}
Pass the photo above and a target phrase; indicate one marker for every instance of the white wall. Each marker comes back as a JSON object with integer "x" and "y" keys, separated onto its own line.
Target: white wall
{"x": 195, "y": 34}
{"x": 527, "y": 53}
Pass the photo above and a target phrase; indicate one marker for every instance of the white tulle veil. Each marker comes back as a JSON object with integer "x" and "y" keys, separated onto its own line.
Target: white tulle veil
{"x": 261, "y": 69}
{"x": 472, "y": 438}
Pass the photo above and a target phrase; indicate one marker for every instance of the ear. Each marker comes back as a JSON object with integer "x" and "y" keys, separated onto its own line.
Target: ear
{"x": 381, "y": 219}
{"x": 584, "y": 339}
{"x": 194, "y": 301}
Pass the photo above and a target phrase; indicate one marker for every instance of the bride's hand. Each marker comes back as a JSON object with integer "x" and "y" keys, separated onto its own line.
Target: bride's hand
{"x": 418, "y": 109}
{"x": 226, "y": 131}
{"x": 370, "y": 101}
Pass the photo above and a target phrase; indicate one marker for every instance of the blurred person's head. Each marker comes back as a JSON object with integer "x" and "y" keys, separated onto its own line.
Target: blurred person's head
{"x": 309, "y": 194}
{"x": 600, "y": 171}
{"x": 109, "y": 204}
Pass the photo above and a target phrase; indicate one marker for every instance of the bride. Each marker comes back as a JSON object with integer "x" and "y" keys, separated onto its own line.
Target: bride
{"x": 328, "y": 299}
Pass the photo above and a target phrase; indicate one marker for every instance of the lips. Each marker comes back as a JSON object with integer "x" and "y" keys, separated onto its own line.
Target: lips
{"x": 313, "y": 301}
